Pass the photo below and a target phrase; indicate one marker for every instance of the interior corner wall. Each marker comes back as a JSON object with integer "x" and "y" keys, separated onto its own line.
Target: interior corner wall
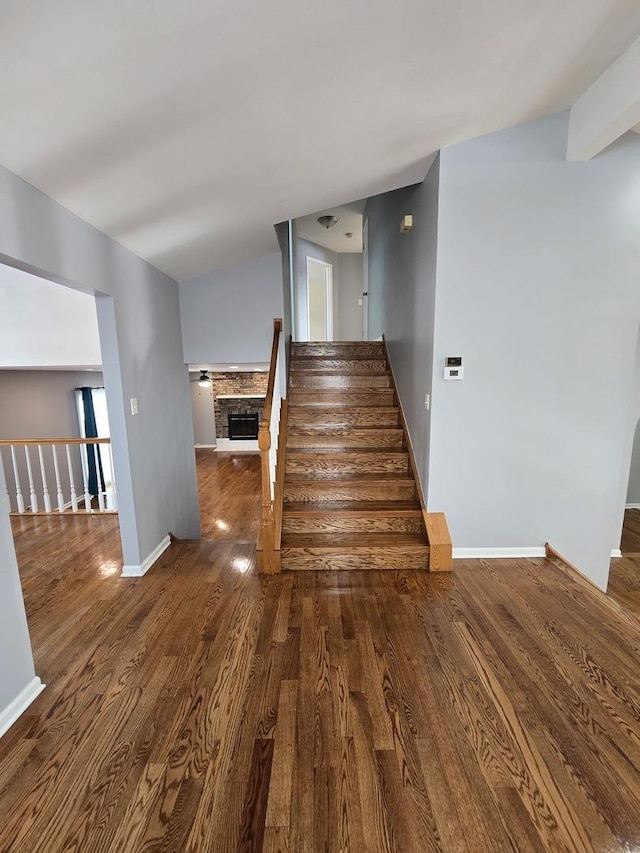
{"x": 402, "y": 288}
{"x": 304, "y": 249}
{"x": 537, "y": 290}
{"x": 139, "y": 321}
{"x": 228, "y": 315}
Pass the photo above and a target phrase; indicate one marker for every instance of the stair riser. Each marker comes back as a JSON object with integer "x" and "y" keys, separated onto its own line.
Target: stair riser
{"x": 360, "y": 523}
{"x": 349, "y": 491}
{"x": 310, "y": 559}
{"x": 310, "y": 417}
{"x": 319, "y": 380}
{"x": 338, "y": 399}
{"x": 339, "y": 351}
{"x": 325, "y": 465}
{"x": 345, "y": 366}
{"x": 344, "y": 439}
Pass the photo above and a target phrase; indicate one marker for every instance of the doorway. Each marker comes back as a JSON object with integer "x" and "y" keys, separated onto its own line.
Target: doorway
{"x": 319, "y": 300}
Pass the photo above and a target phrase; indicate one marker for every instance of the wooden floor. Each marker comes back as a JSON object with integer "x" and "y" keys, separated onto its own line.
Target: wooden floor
{"x": 630, "y": 541}
{"x": 207, "y": 708}
{"x": 229, "y": 491}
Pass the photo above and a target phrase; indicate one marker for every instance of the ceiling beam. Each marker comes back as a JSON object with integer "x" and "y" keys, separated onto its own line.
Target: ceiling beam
{"x": 608, "y": 109}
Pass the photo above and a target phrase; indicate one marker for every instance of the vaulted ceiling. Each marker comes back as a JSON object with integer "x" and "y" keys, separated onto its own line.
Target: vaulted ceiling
{"x": 185, "y": 130}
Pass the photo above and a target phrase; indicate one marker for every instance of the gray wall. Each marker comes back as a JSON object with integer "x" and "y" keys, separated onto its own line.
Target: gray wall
{"x": 282, "y": 233}
{"x": 402, "y": 288}
{"x": 537, "y": 289}
{"x": 139, "y": 321}
{"x": 41, "y": 404}
{"x": 228, "y": 315}
{"x": 204, "y": 419}
{"x": 349, "y": 292}
{"x": 16, "y": 660}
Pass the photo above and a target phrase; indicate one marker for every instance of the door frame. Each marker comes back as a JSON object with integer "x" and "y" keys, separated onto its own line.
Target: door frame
{"x": 328, "y": 295}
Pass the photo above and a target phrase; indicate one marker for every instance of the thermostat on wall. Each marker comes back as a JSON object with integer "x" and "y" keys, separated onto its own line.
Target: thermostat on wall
{"x": 453, "y": 369}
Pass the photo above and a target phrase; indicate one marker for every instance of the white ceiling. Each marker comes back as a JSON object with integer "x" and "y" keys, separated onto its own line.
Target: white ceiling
{"x": 185, "y": 130}
{"x": 334, "y": 238}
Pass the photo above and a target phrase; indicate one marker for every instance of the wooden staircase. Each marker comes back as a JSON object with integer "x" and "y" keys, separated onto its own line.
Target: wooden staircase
{"x": 351, "y": 500}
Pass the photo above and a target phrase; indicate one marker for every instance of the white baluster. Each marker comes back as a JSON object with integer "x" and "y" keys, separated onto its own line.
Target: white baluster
{"x": 19, "y": 498}
{"x": 59, "y": 494}
{"x": 6, "y": 488}
{"x": 45, "y": 489}
{"x": 74, "y": 497}
{"x": 32, "y": 488}
{"x": 96, "y": 456}
{"x": 114, "y": 497}
{"x": 84, "y": 464}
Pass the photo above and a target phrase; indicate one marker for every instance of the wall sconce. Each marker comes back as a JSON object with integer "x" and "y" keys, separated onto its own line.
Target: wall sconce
{"x": 407, "y": 223}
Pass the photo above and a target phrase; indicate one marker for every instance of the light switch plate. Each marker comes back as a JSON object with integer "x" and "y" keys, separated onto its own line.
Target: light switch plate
{"x": 134, "y": 405}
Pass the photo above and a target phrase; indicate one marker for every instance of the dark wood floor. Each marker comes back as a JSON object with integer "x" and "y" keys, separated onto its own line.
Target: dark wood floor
{"x": 229, "y": 491}
{"x": 206, "y": 708}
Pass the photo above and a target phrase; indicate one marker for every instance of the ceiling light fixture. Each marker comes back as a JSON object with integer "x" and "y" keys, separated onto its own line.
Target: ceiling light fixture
{"x": 328, "y": 221}
{"x": 205, "y": 379}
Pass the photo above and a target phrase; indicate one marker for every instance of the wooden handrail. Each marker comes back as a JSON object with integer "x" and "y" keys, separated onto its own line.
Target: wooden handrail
{"x": 5, "y": 442}
{"x": 268, "y": 403}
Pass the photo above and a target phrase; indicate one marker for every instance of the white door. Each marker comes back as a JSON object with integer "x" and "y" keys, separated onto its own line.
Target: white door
{"x": 319, "y": 300}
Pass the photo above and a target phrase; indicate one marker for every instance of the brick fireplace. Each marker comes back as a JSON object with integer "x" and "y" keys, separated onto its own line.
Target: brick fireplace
{"x": 237, "y": 394}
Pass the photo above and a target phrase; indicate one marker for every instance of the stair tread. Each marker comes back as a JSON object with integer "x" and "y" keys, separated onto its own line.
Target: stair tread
{"x": 341, "y": 372}
{"x": 304, "y": 508}
{"x": 340, "y": 541}
{"x": 345, "y": 451}
{"x": 348, "y": 478}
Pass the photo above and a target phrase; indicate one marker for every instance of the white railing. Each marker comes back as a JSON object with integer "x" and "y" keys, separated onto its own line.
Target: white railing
{"x": 268, "y": 554}
{"x": 30, "y": 465}
{"x": 274, "y": 423}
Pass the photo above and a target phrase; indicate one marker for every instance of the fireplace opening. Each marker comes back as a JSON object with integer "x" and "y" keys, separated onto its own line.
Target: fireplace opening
{"x": 243, "y": 426}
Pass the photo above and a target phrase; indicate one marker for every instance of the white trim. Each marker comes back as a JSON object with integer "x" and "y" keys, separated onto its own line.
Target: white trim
{"x": 496, "y": 553}
{"x": 616, "y": 552}
{"x": 632, "y": 506}
{"x": 249, "y": 444}
{"x": 139, "y": 571}
{"x": 20, "y": 704}
{"x": 198, "y": 446}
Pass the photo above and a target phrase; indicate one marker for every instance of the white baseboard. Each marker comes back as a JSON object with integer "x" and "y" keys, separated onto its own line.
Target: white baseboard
{"x": 205, "y": 446}
{"x": 226, "y": 444}
{"x": 616, "y": 552}
{"x": 632, "y": 506}
{"x": 20, "y": 704}
{"x": 496, "y": 553}
{"x": 143, "y": 568}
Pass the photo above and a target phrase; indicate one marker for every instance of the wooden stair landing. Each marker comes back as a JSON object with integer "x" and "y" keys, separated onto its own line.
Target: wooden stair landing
{"x": 350, "y": 498}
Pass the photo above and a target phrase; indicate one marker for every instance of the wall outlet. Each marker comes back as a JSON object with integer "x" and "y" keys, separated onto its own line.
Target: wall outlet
{"x": 427, "y": 401}
{"x": 360, "y": 302}
{"x": 134, "y": 405}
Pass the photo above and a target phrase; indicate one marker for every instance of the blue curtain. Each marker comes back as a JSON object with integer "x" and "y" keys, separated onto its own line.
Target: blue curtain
{"x": 96, "y": 476}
